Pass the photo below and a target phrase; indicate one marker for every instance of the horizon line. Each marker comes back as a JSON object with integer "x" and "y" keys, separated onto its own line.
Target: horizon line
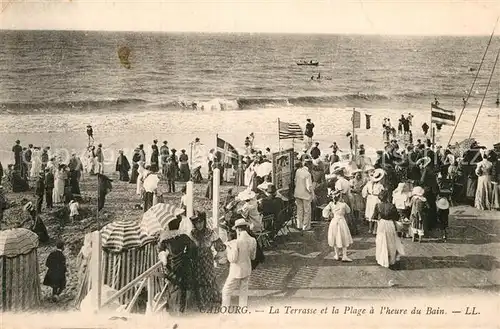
{"x": 248, "y": 32}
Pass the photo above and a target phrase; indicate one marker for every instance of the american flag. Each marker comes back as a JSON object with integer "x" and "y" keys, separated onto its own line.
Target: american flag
{"x": 442, "y": 116}
{"x": 289, "y": 130}
{"x": 226, "y": 153}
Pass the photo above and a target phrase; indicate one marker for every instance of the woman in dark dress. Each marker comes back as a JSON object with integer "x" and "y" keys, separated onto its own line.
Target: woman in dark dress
{"x": 184, "y": 166}
{"x": 37, "y": 226}
{"x": 155, "y": 155}
{"x": 177, "y": 252}
{"x": 56, "y": 273}
{"x": 135, "y": 166}
{"x": 203, "y": 266}
{"x": 428, "y": 182}
{"x": 388, "y": 246}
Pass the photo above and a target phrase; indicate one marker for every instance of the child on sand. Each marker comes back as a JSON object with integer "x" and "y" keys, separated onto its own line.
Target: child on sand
{"x": 339, "y": 236}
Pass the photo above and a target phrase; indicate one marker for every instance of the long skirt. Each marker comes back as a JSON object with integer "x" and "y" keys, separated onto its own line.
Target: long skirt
{"x": 58, "y": 191}
{"x": 371, "y": 203}
{"x": 339, "y": 235}
{"x": 184, "y": 171}
{"x": 388, "y": 246}
{"x": 483, "y": 193}
{"x": 133, "y": 176}
{"x": 495, "y": 196}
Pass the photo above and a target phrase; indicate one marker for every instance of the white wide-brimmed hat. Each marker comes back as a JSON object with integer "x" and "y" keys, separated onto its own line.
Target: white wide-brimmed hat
{"x": 418, "y": 191}
{"x": 240, "y": 223}
{"x": 355, "y": 171}
{"x": 369, "y": 167}
{"x": 246, "y": 195}
{"x": 378, "y": 175}
{"x": 400, "y": 188}
{"x": 443, "y": 204}
{"x": 425, "y": 161}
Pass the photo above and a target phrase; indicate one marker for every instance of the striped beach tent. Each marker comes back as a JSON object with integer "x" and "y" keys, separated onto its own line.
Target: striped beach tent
{"x": 156, "y": 219}
{"x": 123, "y": 235}
{"x": 19, "y": 270}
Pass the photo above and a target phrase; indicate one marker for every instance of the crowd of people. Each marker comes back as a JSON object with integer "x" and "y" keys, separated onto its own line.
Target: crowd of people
{"x": 405, "y": 193}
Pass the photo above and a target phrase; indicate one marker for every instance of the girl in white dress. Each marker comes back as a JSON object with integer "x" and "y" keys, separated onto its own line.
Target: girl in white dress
{"x": 143, "y": 172}
{"x": 370, "y": 192}
{"x": 339, "y": 236}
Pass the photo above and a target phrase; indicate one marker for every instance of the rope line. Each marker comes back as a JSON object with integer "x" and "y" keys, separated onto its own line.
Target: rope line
{"x": 473, "y": 83}
{"x": 485, "y": 92}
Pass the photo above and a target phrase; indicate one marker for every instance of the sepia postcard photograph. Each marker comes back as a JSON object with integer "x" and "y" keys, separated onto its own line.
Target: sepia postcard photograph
{"x": 249, "y": 163}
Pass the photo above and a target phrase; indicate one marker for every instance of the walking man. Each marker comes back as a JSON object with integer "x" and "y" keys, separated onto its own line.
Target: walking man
{"x": 100, "y": 159}
{"x": 240, "y": 253}
{"x": 39, "y": 192}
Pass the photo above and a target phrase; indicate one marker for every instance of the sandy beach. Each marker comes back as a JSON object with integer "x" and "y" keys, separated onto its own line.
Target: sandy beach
{"x": 126, "y": 130}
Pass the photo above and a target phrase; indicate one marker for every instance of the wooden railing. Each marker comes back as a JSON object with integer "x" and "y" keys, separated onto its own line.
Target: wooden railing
{"x": 145, "y": 279}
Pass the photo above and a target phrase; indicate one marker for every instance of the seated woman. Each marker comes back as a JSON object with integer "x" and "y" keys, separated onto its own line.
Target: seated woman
{"x": 37, "y": 225}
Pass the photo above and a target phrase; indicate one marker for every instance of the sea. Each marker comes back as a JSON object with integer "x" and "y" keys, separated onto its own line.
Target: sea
{"x": 54, "y": 83}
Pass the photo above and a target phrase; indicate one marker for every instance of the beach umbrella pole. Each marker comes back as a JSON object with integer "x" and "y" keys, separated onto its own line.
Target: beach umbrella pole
{"x": 189, "y": 201}
{"x": 216, "y": 197}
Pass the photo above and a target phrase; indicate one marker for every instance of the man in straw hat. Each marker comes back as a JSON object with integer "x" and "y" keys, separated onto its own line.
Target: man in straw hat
{"x": 303, "y": 194}
{"x": 240, "y": 253}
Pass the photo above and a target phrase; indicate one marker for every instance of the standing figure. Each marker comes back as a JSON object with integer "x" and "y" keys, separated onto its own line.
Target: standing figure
{"x": 419, "y": 213}
{"x": 49, "y": 188}
{"x": 100, "y": 159}
{"x": 36, "y": 162}
{"x": 172, "y": 169}
{"x": 59, "y": 183}
{"x": 240, "y": 253}
{"x": 484, "y": 189}
{"x": 184, "y": 166}
{"x": 155, "y": 156}
{"x": 136, "y": 158}
{"x": 303, "y": 194}
{"x": 339, "y": 236}
{"x": 204, "y": 274}
{"x": 388, "y": 246}
{"x": 40, "y": 192}
{"x": 309, "y": 134}
{"x": 104, "y": 187}
{"x": 425, "y": 128}
{"x": 56, "y": 273}
{"x": 122, "y": 166}
{"x": 90, "y": 134}
{"x": 370, "y": 192}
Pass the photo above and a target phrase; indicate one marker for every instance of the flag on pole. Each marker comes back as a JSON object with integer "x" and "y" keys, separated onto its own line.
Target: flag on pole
{"x": 442, "y": 116}
{"x": 356, "y": 119}
{"x": 368, "y": 121}
{"x": 290, "y": 130}
{"x": 226, "y": 153}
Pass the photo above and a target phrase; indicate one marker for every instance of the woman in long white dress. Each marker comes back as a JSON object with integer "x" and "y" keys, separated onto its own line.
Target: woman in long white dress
{"x": 484, "y": 188}
{"x": 59, "y": 180}
{"x": 143, "y": 172}
{"x": 339, "y": 236}
{"x": 388, "y": 246}
{"x": 36, "y": 163}
{"x": 370, "y": 192}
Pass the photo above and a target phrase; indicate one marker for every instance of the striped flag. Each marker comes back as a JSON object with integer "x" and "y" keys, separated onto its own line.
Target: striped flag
{"x": 356, "y": 119}
{"x": 226, "y": 153}
{"x": 290, "y": 130}
{"x": 442, "y": 116}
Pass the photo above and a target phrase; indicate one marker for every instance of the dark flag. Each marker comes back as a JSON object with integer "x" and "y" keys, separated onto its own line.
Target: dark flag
{"x": 368, "y": 119}
{"x": 226, "y": 153}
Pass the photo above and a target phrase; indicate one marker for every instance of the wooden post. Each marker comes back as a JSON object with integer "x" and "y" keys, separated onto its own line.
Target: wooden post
{"x": 354, "y": 146}
{"x": 95, "y": 267}
{"x": 151, "y": 294}
{"x": 433, "y": 136}
{"x": 216, "y": 196}
{"x": 189, "y": 197}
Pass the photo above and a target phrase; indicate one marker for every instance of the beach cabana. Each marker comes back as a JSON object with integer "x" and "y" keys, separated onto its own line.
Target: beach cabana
{"x": 127, "y": 252}
{"x": 19, "y": 271}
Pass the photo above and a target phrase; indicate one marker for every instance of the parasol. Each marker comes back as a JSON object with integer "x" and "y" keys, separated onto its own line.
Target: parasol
{"x": 122, "y": 235}
{"x": 18, "y": 241}
{"x": 156, "y": 219}
{"x": 264, "y": 169}
{"x": 151, "y": 183}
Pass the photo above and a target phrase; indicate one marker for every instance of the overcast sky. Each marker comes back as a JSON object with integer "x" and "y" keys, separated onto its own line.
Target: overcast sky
{"x": 293, "y": 16}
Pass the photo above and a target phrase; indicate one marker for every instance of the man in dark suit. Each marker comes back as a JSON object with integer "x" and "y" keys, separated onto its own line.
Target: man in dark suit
{"x": 39, "y": 192}
{"x": 49, "y": 186}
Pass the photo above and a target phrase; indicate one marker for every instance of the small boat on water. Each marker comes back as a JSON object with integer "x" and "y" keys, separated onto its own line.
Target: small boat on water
{"x": 310, "y": 63}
